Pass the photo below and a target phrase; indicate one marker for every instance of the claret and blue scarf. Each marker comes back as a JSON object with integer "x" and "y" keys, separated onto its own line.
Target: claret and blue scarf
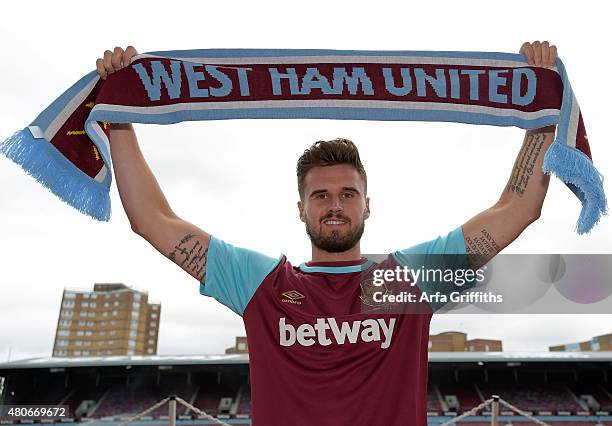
{"x": 66, "y": 147}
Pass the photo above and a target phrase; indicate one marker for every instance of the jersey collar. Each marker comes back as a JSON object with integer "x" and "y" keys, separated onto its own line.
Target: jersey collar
{"x": 340, "y": 267}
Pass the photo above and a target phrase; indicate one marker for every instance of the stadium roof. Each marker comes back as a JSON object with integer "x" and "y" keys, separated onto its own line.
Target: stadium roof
{"x": 456, "y": 357}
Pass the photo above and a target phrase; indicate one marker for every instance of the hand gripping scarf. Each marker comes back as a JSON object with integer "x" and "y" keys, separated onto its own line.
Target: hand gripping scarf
{"x": 66, "y": 147}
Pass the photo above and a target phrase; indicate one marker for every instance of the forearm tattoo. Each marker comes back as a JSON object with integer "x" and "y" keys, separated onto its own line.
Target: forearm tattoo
{"x": 525, "y": 163}
{"x": 190, "y": 254}
{"x": 480, "y": 248}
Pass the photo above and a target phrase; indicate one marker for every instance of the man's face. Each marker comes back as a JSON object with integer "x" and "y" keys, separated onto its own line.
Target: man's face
{"x": 334, "y": 207}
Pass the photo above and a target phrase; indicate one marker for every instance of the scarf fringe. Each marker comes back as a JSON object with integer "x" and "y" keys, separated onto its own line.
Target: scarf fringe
{"x": 39, "y": 159}
{"x": 580, "y": 175}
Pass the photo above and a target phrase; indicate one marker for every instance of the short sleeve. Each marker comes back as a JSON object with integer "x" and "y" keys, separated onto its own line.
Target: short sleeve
{"x": 445, "y": 258}
{"x": 233, "y": 274}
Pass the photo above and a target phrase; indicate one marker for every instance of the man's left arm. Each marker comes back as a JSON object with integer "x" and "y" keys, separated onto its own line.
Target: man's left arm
{"x": 520, "y": 203}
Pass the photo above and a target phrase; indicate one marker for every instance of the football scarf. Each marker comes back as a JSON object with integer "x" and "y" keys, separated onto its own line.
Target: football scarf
{"x": 66, "y": 148}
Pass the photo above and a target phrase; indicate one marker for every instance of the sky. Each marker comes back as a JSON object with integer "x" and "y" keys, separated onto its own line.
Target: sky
{"x": 236, "y": 178}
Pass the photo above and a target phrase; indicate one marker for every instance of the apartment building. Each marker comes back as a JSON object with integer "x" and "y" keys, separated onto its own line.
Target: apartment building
{"x": 111, "y": 320}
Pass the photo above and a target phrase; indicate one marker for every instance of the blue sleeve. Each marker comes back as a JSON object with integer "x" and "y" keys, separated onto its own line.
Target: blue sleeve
{"x": 233, "y": 274}
{"x": 446, "y": 253}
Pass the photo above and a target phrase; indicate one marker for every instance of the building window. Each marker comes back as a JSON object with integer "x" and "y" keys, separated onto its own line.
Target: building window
{"x": 155, "y": 307}
{"x": 94, "y": 296}
{"x": 130, "y": 352}
{"x": 85, "y": 295}
{"x": 114, "y": 313}
{"x": 69, "y": 295}
{"x": 241, "y": 346}
{"x": 65, "y": 323}
{"x": 67, "y": 313}
{"x": 85, "y": 305}
{"x": 113, "y": 332}
{"x": 151, "y": 341}
{"x": 105, "y": 314}
{"x": 91, "y": 314}
{"x": 77, "y": 353}
{"x": 62, "y": 342}
{"x": 79, "y": 343}
{"x": 81, "y": 323}
{"x": 63, "y": 333}
{"x": 133, "y": 334}
{"x": 88, "y": 333}
{"x": 106, "y": 304}
{"x": 111, "y": 342}
{"x": 93, "y": 305}
{"x": 152, "y": 333}
{"x": 79, "y": 333}
{"x": 87, "y": 343}
{"x": 150, "y": 351}
{"x": 152, "y": 324}
{"x": 137, "y": 296}
{"x": 68, "y": 304}
{"x": 83, "y": 313}
{"x": 90, "y": 323}
{"x": 131, "y": 343}
{"x": 153, "y": 315}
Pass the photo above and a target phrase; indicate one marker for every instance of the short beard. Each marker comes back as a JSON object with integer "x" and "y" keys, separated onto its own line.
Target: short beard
{"x": 335, "y": 243}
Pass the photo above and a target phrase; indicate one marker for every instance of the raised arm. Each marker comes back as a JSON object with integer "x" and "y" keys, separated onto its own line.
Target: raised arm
{"x": 520, "y": 203}
{"x": 146, "y": 206}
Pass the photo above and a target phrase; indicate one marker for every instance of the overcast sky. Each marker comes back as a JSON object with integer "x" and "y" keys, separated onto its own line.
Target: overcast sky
{"x": 424, "y": 178}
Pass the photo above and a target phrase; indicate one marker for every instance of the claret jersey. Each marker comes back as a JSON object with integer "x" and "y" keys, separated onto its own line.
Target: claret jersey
{"x": 316, "y": 356}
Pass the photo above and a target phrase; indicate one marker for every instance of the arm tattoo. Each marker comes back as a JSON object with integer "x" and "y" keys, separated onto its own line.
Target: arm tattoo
{"x": 480, "y": 248}
{"x": 525, "y": 163}
{"x": 190, "y": 254}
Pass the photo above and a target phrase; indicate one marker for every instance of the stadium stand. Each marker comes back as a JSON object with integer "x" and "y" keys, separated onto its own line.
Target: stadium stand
{"x": 572, "y": 388}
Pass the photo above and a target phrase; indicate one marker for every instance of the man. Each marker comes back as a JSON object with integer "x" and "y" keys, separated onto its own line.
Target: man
{"x": 318, "y": 354}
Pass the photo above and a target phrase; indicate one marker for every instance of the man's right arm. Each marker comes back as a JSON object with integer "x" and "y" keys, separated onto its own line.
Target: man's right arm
{"x": 146, "y": 206}
{"x": 148, "y": 210}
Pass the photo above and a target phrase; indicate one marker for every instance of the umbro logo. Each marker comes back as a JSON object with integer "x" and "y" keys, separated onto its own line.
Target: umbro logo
{"x": 292, "y": 296}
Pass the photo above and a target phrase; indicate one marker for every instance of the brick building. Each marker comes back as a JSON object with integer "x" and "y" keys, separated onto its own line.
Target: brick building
{"x": 113, "y": 319}
{"x": 597, "y": 343}
{"x": 455, "y": 341}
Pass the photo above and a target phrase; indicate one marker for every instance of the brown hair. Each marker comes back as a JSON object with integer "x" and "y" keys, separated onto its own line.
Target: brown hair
{"x": 329, "y": 153}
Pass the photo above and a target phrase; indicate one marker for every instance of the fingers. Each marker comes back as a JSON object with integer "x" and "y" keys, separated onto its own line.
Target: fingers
{"x": 130, "y": 52}
{"x": 527, "y": 50}
{"x": 553, "y": 55}
{"x": 115, "y": 60}
{"x": 540, "y": 54}
{"x": 537, "y": 54}
{"x": 100, "y": 68}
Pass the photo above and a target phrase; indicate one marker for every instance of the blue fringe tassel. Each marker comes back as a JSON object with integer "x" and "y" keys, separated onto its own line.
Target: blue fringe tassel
{"x": 45, "y": 163}
{"x": 580, "y": 175}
